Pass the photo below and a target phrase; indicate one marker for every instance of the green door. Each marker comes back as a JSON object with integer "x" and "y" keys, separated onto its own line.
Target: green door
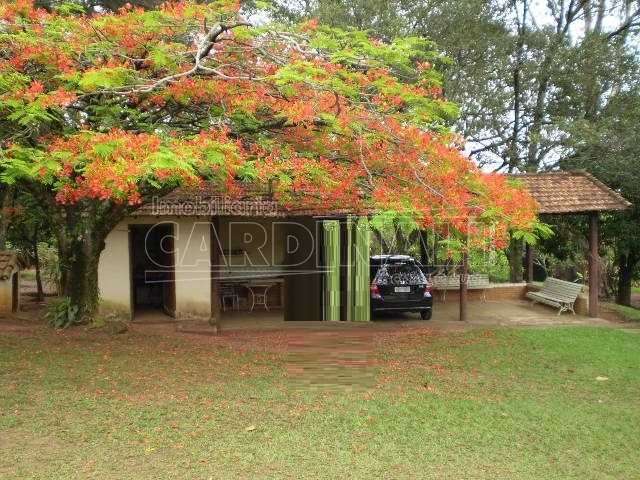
{"x": 361, "y": 282}
{"x": 332, "y": 270}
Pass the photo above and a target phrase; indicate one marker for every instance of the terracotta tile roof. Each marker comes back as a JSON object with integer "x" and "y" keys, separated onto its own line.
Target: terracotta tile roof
{"x": 571, "y": 192}
{"x": 556, "y": 192}
{"x": 8, "y": 263}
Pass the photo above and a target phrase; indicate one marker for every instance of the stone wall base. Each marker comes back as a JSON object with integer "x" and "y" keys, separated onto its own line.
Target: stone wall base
{"x": 495, "y": 293}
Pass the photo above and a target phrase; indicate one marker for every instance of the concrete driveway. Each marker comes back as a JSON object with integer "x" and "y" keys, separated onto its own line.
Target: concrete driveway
{"x": 445, "y": 316}
{"x": 496, "y": 313}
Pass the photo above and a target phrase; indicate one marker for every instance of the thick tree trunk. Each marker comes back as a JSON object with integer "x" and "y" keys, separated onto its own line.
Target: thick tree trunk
{"x": 381, "y": 240}
{"x": 626, "y": 266}
{"x": 80, "y": 265}
{"x": 515, "y": 261}
{"x": 403, "y": 243}
{"x": 594, "y": 264}
{"x": 529, "y": 254}
{"x": 81, "y": 239}
{"x": 36, "y": 262}
{"x": 513, "y": 152}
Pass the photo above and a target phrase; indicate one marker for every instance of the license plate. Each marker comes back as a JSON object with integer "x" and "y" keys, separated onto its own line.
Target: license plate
{"x": 402, "y": 289}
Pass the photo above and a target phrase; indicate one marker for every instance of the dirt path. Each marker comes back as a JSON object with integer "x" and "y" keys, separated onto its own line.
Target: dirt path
{"x": 321, "y": 360}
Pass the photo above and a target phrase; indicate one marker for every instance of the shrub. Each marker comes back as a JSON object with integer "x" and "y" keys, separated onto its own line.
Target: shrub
{"x": 494, "y": 263}
{"x": 62, "y": 314}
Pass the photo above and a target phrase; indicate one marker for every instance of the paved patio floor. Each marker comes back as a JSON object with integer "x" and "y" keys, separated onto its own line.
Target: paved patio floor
{"x": 445, "y": 316}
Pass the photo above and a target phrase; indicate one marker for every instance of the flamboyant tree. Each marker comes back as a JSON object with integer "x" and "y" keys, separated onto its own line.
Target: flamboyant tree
{"x": 98, "y": 112}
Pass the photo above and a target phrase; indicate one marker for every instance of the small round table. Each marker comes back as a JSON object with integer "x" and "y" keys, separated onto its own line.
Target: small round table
{"x": 259, "y": 293}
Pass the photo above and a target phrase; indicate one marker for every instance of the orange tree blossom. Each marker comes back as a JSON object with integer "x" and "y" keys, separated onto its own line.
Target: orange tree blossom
{"x": 101, "y": 111}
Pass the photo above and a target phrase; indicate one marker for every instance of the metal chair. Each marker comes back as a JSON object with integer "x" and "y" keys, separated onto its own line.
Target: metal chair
{"x": 228, "y": 292}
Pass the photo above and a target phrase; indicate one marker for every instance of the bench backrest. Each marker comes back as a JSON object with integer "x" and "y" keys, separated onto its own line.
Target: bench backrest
{"x": 445, "y": 281}
{"x": 475, "y": 280}
{"x": 478, "y": 280}
{"x": 556, "y": 288}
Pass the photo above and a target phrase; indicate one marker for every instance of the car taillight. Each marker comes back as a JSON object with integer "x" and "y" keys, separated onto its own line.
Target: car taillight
{"x": 375, "y": 291}
{"x": 428, "y": 290}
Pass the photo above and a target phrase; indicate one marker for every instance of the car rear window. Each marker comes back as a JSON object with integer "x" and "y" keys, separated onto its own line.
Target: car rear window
{"x": 400, "y": 274}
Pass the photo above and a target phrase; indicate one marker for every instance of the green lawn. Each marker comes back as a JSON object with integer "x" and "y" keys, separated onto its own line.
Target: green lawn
{"x": 501, "y": 403}
{"x": 28, "y": 275}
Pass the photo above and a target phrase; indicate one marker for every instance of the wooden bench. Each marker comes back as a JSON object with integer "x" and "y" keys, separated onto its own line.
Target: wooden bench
{"x": 475, "y": 281}
{"x": 557, "y": 293}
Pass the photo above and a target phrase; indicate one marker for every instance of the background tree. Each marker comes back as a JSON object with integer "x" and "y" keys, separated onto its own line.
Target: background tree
{"x": 608, "y": 145}
{"x": 97, "y": 5}
{"x": 527, "y": 76}
{"x": 512, "y": 62}
{"x": 29, "y": 228}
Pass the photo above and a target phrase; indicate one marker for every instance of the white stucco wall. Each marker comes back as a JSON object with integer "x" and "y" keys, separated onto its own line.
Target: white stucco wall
{"x": 113, "y": 271}
{"x": 192, "y": 267}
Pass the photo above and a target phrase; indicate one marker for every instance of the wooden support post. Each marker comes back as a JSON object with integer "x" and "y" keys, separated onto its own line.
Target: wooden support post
{"x": 529, "y": 253}
{"x": 594, "y": 260}
{"x": 215, "y": 270}
{"x": 464, "y": 280}
{"x": 515, "y": 260}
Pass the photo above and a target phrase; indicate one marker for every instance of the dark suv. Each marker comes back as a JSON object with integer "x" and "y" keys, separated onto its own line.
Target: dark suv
{"x": 398, "y": 284}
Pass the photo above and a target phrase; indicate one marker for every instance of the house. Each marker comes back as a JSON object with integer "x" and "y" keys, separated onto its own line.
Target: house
{"x": 9, "y": 282}
{"x": 196, "y": 254}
